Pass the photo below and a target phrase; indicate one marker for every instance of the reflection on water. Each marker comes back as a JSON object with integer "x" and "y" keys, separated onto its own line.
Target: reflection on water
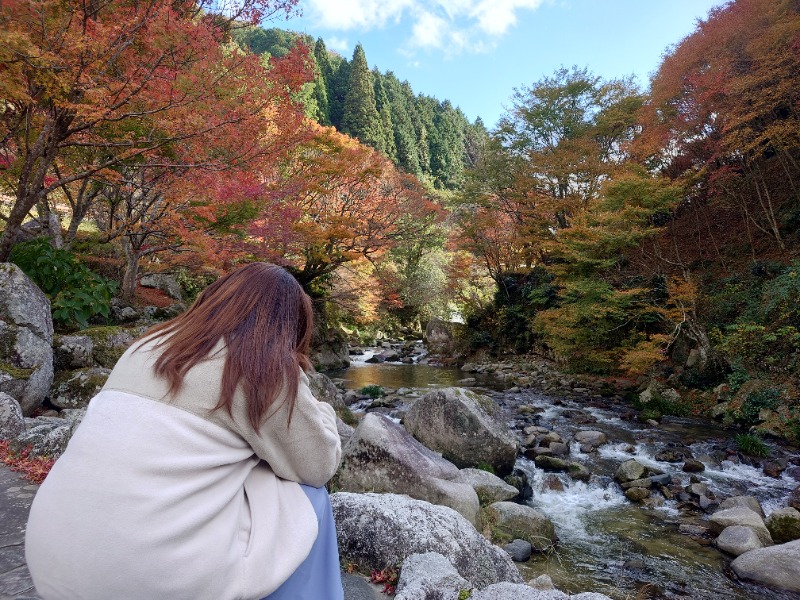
{"x": 422, "y": 377}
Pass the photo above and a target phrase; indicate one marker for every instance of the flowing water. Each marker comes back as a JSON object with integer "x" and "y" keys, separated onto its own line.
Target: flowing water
{"x": 606, "y": 543}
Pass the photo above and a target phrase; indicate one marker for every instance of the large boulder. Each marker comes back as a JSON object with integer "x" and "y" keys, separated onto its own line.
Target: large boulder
{"x": 439, "y": 337}
{"x": 516, "y": 591}
{"x": 325, "y": 390}
{"x": 630, "y": 470}
{"x": 490, "y": 488}
{"x": 738, "y": 539}
{"x": 74, "y": 389}
{"x": 376, "y": 531}
{"x": 429, "y": 576}
{"x": 776, "y": 566}
{"x": 72, "y": 352}
{"x": 381, "y": 456}
{"x": 12, "y": 423}
{"x": 510, "y": 521}
{"x": 164, "y": 282}
{"x": 45, "y": 436}
{"x": 459, "y": 424}
{"x": 109, "y": 343}
{"x": 750, "y": 502}
{"x": 740, "y": 516}
{"x": 784, "y": 525}
{"x": 26, "y": 339}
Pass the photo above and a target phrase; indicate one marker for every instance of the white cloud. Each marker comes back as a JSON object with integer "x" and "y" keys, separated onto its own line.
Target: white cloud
{"x": 452, "y": 26}
{"x": 339, "y": 44}
{"x": 429, "y": 31}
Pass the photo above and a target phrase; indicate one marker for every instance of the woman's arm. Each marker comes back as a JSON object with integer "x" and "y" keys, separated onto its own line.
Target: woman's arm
{"x": 308, "y": 450}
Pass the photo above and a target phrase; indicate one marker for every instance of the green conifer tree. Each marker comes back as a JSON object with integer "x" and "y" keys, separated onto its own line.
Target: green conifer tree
{"x": 360, "y": 116}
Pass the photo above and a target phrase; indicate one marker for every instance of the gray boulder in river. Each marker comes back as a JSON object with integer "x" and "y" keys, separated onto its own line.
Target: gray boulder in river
{"x": 512, "y": 591}
{"x": 490, "y": 488}
{"x": 512, "y": 520}
{"x": 381, "y": 456}
{"x": 429, "y": 575}
{"x": 376, "y": 531}
{"x": 26, "y": 339}
{"x": 776, "y": 566}
{"x": 460, "y": 424}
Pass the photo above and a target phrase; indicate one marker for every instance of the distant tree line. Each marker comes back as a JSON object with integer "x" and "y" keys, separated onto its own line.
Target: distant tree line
{"x": 424, "y": 136}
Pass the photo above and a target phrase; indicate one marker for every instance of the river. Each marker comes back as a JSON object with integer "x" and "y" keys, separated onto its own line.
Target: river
{"x": 606, "y": 543}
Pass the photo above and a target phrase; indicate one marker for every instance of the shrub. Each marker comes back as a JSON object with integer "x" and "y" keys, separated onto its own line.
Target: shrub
{"x": 76, "y": 293}
{"x": 752, "y": 445}
{"x": 193, "y": 283}
{"x": 373, "y": 391}
{"x": 768, "y": 398}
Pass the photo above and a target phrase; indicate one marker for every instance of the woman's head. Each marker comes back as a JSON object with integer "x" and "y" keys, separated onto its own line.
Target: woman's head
{"x": 265, "y": 320}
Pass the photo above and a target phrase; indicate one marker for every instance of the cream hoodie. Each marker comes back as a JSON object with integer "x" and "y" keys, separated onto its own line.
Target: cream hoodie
{"x": 158, "y": 497}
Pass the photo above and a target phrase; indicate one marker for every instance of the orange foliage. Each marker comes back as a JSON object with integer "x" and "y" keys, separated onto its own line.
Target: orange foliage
{"x": 34, "y": 469}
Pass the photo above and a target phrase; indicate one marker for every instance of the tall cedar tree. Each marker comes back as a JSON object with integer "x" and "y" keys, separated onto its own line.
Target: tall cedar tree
{"x": 360, "y": 117}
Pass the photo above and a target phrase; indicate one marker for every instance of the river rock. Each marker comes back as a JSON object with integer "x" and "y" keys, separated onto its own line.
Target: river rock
{"x": 325, "y": 390}
{"x": 519, "y": 550}
{"x": 637, "y": 494}
{"x": 629, "y": 471}
{"x": 439, "y": 337}
{"x": 12, "y": 422}
{"x": 26, "y": 339}
{"x": 784, "y": 525}
{"x": 381, "y": 456}
{"x": 743, "y": 501}
{"x": 590, "y": 440}
{"x": 459, "y": 424}
{"x": 507, "y": 591}
{"x": 740, "y": 516}
{"x": 551, "y": 463}
{"x": 794, "y": 498}
{"x": 427, "y": 576}
{"x": 692, "y": 465}
{"x": 376, "y": 531}
{"x": 74, "y": 389}
{"x": 490, "y": 488}
{"x": 738, "y": 539}
{"x": 511, "y": 520}
{"x": 542, "y": 582}
{"x": 777, "y": 566}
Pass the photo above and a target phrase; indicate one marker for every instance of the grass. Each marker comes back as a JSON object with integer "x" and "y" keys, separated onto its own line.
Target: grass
{"x": 752, "y": 445}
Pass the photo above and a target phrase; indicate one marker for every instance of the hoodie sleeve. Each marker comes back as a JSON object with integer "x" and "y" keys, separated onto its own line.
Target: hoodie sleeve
{"x": 307, "y": 449}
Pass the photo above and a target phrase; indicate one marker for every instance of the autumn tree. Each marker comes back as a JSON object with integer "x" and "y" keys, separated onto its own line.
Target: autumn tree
{"x": 89, "y": 87}
{"x": 724, "y": 118}
{"x": 336, "y": 201}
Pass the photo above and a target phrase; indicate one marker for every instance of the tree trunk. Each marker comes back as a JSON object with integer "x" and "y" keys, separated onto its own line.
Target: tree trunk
{"x": 131, "y": 274}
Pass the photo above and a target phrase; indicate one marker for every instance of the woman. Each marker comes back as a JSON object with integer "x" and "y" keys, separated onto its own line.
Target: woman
{"x": 184, "y": 478}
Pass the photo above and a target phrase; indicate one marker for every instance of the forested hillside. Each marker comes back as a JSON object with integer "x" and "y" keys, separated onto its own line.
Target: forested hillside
{"x": 423, "y": 136}
{"x": 631, "y": 232}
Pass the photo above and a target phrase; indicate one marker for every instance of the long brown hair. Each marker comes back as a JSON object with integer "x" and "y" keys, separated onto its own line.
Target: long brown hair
{"x": 265, "y": 320}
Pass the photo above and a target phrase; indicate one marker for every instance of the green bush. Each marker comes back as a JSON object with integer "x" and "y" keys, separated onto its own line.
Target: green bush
{"x": 372, "y": 390}
{"x": 768, "y": 398}
{"x": 76, "y": 293}
{"x": 193, "y": 283}
{"x": 752, "y": 445}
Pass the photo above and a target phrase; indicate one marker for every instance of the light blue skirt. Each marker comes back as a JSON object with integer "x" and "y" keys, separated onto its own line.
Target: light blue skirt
{"x": 318, "y": 577}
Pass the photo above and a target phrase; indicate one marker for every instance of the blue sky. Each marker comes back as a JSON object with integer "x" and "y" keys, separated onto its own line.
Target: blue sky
{"x": 475, "y": 52}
